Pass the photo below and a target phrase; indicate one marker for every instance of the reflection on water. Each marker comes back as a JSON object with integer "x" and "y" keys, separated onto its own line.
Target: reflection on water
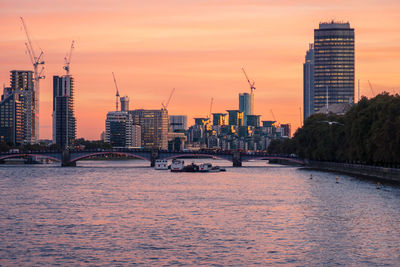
{"x": 123, "y": 212}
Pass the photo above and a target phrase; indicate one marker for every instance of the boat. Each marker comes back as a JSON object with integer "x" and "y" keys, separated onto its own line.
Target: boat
{"x": 191, "y": 168}
{"x": 161, "y": 164}
{"x": 217, "y": 169}
{"x": 177, "y": 165}
{"x": 205, "y": 167}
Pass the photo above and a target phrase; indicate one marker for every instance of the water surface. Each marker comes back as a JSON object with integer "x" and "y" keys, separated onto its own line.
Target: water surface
{"x": 125, "y": 213}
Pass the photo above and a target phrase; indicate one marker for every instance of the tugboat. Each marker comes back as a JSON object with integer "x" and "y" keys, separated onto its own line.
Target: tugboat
{"x": 161, "y": 164}
{"x": 177, "y": 165}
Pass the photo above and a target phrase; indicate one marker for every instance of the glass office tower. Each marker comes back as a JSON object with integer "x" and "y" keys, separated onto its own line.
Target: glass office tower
{"x": 333, "y": 64}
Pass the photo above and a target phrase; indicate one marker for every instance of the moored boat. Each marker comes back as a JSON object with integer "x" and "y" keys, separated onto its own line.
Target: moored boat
{"x": 177, "y": 165}
{"x": 161, "y": 164}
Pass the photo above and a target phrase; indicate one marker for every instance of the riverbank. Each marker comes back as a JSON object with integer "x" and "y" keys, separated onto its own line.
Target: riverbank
{"x": 388, "y": 174}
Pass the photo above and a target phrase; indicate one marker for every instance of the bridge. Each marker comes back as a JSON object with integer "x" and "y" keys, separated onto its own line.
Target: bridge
{"x": 70, "y": 157}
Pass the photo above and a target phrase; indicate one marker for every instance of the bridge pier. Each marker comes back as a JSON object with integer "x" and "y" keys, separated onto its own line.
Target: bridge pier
{"x": 237, "y": 159}
{"x": 66, "y": 159}
{"x": 153, "y": 156}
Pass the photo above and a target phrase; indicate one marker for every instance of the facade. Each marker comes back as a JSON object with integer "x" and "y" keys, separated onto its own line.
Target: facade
{"x": 308, "y": 83}
{"x": 246, "y": 105}
{"x": 17, "y": 109}
{"x": 178, "y": 123}
{"x": 333, "y": 64}
{"x": 286, "y": 130}
{"x": 220, "y": 119}
{"x": 253, "y": 120}
{"x": 11, "y": 119}
{"x": 235, "y": 117}
{"x": 121, "y": 131}
{"x": 64, "y": 122}
{"x": 154, "y": 127}
{"x": 22, "y": 84}
{"x": 124, "y": 103}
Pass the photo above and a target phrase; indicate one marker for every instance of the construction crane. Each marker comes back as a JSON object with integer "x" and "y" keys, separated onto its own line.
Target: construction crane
{"x": 277, "y": 124}
{"x": 117, "y": 94}
{"x": 211, "y": 104}
{"x": 372, "y": 90}
{"x": 36, "y": 61}
{"x": 169, "y": 99}
{"x": 252, "y": 88}
{"x": 67, "y": 58}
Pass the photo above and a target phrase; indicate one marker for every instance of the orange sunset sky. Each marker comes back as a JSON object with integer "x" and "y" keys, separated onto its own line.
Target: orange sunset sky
{"x": 196, "y": 46}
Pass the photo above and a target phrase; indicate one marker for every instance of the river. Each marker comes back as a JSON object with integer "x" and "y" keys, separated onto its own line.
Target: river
{"x": 125, "y": 213}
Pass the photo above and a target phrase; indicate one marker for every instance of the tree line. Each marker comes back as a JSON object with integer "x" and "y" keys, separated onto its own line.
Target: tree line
{"x": 369, "y": 133}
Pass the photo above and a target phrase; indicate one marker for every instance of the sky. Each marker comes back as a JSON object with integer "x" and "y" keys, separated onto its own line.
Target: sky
{"x": 195, "y": 46}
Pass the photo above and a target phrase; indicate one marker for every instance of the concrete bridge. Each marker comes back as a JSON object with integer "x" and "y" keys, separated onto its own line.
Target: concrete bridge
{"x": 70, "y": 157}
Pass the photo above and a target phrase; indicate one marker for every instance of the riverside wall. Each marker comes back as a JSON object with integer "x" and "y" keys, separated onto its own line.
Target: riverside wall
{"x": 390, "y": 174}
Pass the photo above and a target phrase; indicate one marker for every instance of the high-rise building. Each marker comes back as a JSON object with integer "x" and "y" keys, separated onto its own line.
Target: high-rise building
{"x": 11, "y": 118}
{"x": 178, "y": 123}
{"x": 18, "y": 109}
{"x": 235, "y": 118}
{"x": 154, "y": 127}
{"x": 124, "y": 103}
{"x": 220, "y": 119}
{"x": 246, "y": 105}
{"x": 22, "y": 84}
{"x": 64, "y": 122}
{"x": 121, "y": 131}
{"x": 333, "y": 64}
{"x": 308, "y": 83}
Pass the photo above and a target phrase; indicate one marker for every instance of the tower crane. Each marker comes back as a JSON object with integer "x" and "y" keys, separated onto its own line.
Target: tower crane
{"x": 277, "y": 122}
{"x": 211, "y": 104}
{"x": 372, "y": 90}
{"x": 169, "y": 99}
{"x": 67, "y": 58}
{"x": 252, "y": 88}
{"x": 36, "y": 61}
{"x": 117, "y": 93}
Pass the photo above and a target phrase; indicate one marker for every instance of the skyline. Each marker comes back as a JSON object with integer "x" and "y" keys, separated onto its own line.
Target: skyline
{"x": 177, "y": 45}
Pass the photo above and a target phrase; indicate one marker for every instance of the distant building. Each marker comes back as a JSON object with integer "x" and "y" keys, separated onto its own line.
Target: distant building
{"x": 178, "y": 123}
{"x": 18, "y": 109}
{"x": 64, "y": 122}
{"x": 246, "y": 105}
{"x": 154, "y": 127}
{"x": 286, "y": 130}
{"x": 308, "y": 83}
{"x": 235, "y": 117}
{"x": 121, "y": 130}
{"x": 124, "y": 103}
{"x": 12, "y": 119}
{"x": 253, "y": 120}
{"x": 333, "y": 64}
{"x": 220, "y": 119}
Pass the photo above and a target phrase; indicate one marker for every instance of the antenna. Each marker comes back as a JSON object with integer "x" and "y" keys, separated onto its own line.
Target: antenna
{"x": 117, "y": 94}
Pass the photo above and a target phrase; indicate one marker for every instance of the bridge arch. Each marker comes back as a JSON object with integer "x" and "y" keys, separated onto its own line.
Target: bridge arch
{"x": 228, "y": 158}
{"x": 294, "y": 160}
{"x": 23, "y": 155}
{"x": 74, "y": 159}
